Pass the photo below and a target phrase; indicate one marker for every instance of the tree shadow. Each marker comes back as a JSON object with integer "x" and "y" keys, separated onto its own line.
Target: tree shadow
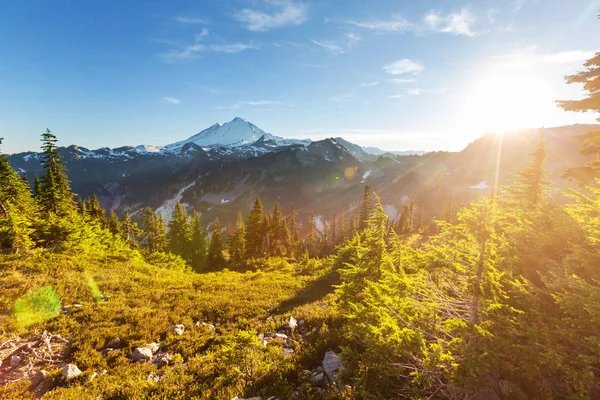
{"x": 316, "y": 290}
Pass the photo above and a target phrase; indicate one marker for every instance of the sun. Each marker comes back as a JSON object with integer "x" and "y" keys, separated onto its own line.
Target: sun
{"x": 503, "y": 100}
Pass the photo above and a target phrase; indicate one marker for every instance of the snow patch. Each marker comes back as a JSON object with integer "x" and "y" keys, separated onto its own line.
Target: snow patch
{"x": 482, "y": 185}
{"x": 166, "y": 210}
{"x": 365, "y": 176}
{"x": 391, "y": 211}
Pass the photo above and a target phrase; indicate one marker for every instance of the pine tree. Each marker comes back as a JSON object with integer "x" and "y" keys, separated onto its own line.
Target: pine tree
{"x": 161, "y": 234}
{"x": 590, "y": 141}
{"x": 93, "y": 209}
{"x": 278, "y": 232}
{"x": 180, "y": 233}
{"x": 420, "y": 219}
{"x": 55, "y": 195}
{"x": 366, "y": 208}
{"x": 17, "y": 209}
{"x": 311, "y": 240}
{"x": 334, "y": 230}
{"x": 254, "y": 230}
{"x": 295, "y": 237}
{"x": 237, "y": 242}
{"x": 215, "y": 260}
{"x": 152, "y": 232}
{"x": 114, "y": 225}
{"x": 410, "y": 214}
{"x": 129, "y": 231}
{"x": 36, "y": 186}
{"x": 198, "y": 243}
{"x": 531, "y": 186}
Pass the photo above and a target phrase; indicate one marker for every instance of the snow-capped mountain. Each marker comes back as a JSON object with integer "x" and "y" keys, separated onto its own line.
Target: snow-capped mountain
{"x": 235, "y": 133}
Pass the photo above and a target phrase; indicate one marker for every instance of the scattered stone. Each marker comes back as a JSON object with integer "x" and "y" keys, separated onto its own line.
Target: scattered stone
{"x": 93, "y": 376}
{"x": 103, "y": 372}
{"x": 114, "y": 343}
{"x": 77, "y": 305}
{"x": 14, "y": 361}
{"x": 178, "y": 329}
{"x": 162, "y": 360}
{"x": 318, "y": 378}
{"x": 70, "y": 371}
{"x": 292, "y": 323}
{"x": 281, "y": 335}
{"x": 270, "y": 318}
{"x": 287, "y": 351}
{"x": 154, "y": 347}
{"x": 141, "y": 354}
{"x": 332, "y": 364}
{"x": 37, "y": 378}
{"x": 320, "y": 369}
{"x": 153, "y": 378}
{"x": 44, "y": 386}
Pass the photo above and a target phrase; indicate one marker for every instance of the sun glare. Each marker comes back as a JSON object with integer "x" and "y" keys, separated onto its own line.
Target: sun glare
{"x": 505, "y": 100}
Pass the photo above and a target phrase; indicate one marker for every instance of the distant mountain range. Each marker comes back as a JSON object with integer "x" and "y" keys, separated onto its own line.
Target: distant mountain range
{"x": 221, "y": 169}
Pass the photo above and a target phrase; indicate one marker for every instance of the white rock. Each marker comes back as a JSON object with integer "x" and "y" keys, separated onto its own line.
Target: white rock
{"x": 292, "y": 323}
{"x": 15, "y": 360}
{"x": 318, "y": 378}
{"x": 281, "y": 335}
{"x": 141, "y": 354}
{"x": 332, "y": 365}
{"x": 178, "y": 329}
{"x": 154, "y": 347}
{"x": 70, "y": 371}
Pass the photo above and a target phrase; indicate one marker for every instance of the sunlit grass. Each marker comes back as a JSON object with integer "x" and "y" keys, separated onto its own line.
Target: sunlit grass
{"x": 37, "y": 306}
{"x": 96, "y": 294}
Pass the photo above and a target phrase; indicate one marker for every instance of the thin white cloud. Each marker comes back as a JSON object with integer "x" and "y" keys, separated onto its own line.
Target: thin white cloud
{"x": 530, "y": 56}
{"x": 352, "y": 38}
{"x": 194, "y": 50}
{"x": 171, "y": 100}
{"x": 402, "y": 81}
{"x": 203, "y": 33}
{"x": 456, "y": 23}
{"x": 408, "y": 92}
{"x": 278, "y": 13}
{"x": 330, "y": 46}
{"x": 342, "y": 97}
{"x": 240, "y": 104}
{"x": 188, "y": 20}
{"x": 368, "y": 84}
{"x": 395, "y": 24}
{"x": 404, "y": 66}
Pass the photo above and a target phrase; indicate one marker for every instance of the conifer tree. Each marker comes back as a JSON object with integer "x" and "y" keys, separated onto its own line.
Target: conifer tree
{"x": 531, "y": 185}
{"x": 17, "y": 210}
{"x": 114, "y": 225}
{"x": 279, "y": 233}
{"x": 311, "y": 240}
{"x": 180, "y": 233}
{"x": 93, "y": 209}
{"x": 36, "y": 186}
{"x": 420, "y": 219}
{"x": 161, "y": 234}
{"x": 590, "y": 78}
{"x": 334, "y": 229}
{"x": 237, "y": 241}
{"x": 215, "y": 260}
{"x": 129, "y": 231}
{"x": 55, "y": 195}
{"x": 366, "y": 208}
{"x": 153, "y": 232}
{"x": 254, "y": 230}
{"x": 295, "y": 237}
{"x": 198, "y": 243}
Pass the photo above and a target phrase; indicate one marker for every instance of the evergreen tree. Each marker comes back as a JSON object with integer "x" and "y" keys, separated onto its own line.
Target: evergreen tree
{"x": 161, "y": 234}
{"x": 17, "y": 210}
{"x": 129, "y": 231}
{"x": 334, "y": 230}
{"x": 420, "y": 219}
{"x": 198, "y": 243}
{"x": 55, "y": 191}
{"x": 590, "y": 141}
{"x": 366, "y": 208}
{"x": 93, "y": 209}
{"x": 311, "y": 240}
{"x": 180, "y": 233}
{"x": 295, "y": 237}
{"x": 36, "y": 186}
{"x": 152, "y": 231}
{"x": 114, "y": 225}
{"x": 215, "y": 260}
{"x": 278, "y": 232}
{"x": 237, "y": 241}
{"x": 254, "y": 230}
{"x": 531, "y": 185}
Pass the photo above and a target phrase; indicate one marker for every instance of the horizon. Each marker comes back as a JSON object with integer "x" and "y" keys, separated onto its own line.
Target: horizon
{"x": 394, "y": 76}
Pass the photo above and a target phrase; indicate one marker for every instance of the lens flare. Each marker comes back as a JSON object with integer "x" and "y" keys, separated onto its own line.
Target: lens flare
{"x": 37, "y": 306}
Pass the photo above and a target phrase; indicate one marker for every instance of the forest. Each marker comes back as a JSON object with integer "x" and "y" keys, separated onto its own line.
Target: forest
{"x": 497, "y": 299}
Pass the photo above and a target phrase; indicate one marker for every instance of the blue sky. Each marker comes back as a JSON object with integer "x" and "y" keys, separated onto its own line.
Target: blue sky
{"x": 395, "y": 74}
